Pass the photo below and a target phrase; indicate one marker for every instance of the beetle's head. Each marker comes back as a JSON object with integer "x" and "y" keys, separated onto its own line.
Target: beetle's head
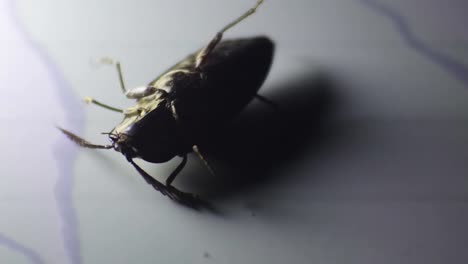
{"x": 123, "y": 144}
{"x": 154, "y": 137}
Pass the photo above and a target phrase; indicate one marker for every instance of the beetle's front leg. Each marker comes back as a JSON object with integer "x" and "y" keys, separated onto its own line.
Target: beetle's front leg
{"x": 177, "y": 170}
{"x": 203, "y": 54}
{"x": 169, "y": 191}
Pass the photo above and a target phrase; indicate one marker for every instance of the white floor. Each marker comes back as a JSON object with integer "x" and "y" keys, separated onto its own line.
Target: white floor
{"x": 374, "y": 173}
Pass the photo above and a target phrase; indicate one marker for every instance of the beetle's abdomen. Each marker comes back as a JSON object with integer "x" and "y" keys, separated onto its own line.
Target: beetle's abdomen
{"x": 231, "y": 77}
{"x": 237, "y": 70}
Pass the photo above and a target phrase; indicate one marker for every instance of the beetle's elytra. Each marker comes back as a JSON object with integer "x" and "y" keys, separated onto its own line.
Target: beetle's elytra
{"x": 184, "y": 105}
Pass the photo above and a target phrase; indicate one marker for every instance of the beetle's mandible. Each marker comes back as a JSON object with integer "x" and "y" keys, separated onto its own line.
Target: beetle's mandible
{"x": 179, "y": 108}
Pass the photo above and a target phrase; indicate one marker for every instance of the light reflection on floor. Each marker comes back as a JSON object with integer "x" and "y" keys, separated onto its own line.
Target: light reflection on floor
{"x": 41, "y": 221}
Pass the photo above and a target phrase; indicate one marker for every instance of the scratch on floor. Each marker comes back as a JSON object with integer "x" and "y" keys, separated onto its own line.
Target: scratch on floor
{"x": 30, "y": 254}
{"x": 454, "y": 67}
{"x": 64, "y": 157}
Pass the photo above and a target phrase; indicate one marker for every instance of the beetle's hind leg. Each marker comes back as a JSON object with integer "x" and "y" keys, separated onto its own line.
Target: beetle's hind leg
{"x": 202, "y": 158}
{"x": 194, "y": 147}
{"x": 203, "y": 54}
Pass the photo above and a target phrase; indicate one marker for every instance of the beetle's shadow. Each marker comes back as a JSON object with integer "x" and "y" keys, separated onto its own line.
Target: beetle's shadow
{"x": 249, "y": 151}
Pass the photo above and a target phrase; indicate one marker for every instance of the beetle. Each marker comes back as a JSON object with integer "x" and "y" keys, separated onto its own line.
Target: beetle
{"x": 179, "y": 109}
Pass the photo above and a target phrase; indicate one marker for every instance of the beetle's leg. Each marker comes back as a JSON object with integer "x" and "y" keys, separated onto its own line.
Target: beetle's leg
{"x": 176, "y": 172}
{"x": 90, "y": 100}
{"x": 121, "y": 79}
{"x": 174, "y": 111}
{"x": 143, "y": 91}
{"x": 200, "y": 155}
{"x": 136, "y": 110}
{"x": 82, "y": 142}
{"x": 194, "y": 147}
{"x": 171, "y": 192}
{"x": 149, "y": 179}
{"x": 267, "y": 102}
{"x": 110, "y": 61}
{"x": 202, "y": 55}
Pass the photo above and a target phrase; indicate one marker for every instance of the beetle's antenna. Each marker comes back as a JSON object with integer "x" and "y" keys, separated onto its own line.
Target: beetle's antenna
{"x": 90, "y": 100}
{"x": 82, "y": 142}
{"x": 197, "y": 151}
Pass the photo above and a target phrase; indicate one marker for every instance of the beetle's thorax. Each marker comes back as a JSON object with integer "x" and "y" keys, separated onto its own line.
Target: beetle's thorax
{"x": 164, "y": 90}
{"x": 149, "y": 129}
{"x": 166, "y": 81}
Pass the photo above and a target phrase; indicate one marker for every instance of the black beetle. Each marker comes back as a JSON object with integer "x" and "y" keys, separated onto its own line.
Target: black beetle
{"x": 181, "y": 107}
